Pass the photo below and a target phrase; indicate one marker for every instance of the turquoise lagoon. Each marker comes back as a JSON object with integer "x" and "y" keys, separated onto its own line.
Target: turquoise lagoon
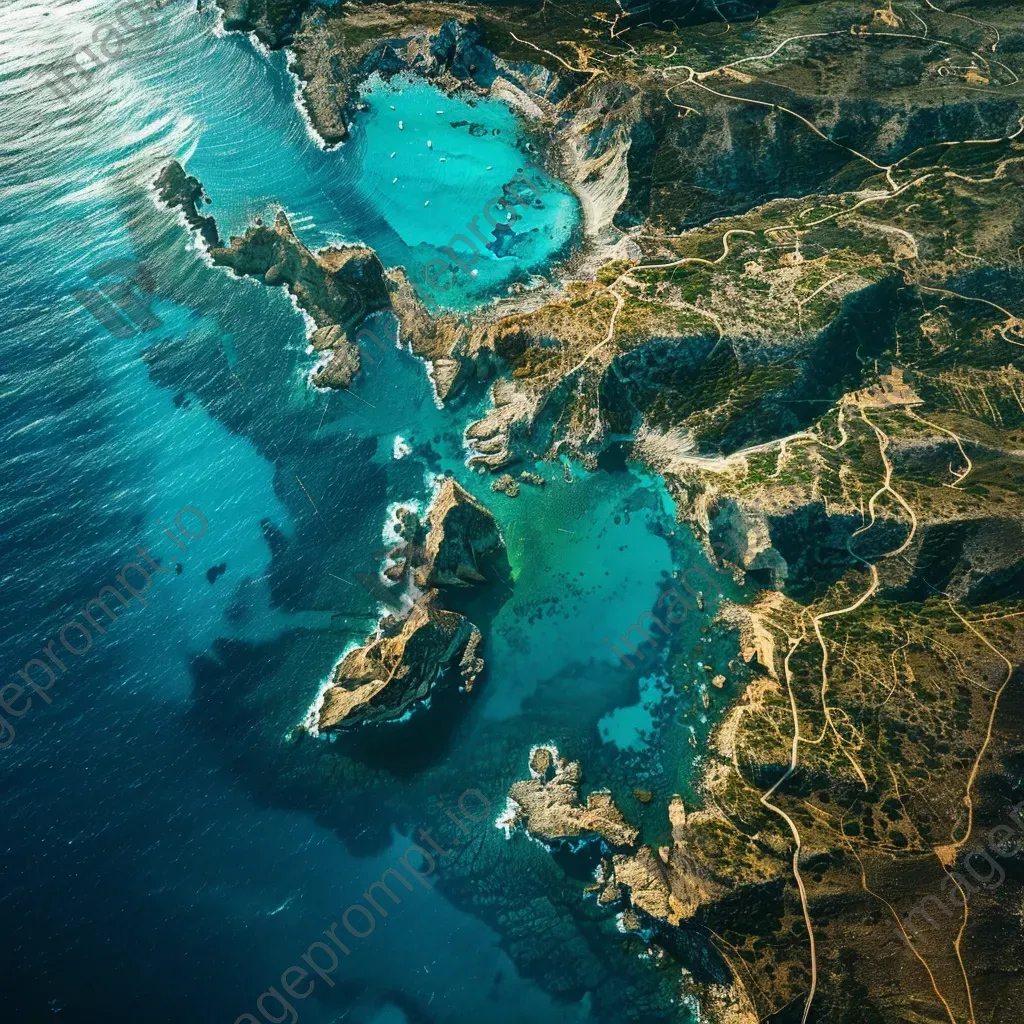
{"x": 208, "y": 851}
{"x": 418, "y": 147}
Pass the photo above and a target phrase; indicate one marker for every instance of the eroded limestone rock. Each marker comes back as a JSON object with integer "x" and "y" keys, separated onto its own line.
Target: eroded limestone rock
{"x": 412, "y": 651}
{"x": 461, "y": 534}
{"x": 183, "y": 192}
{"x": 548, "y": 804}
{"x": 505, "y": 484}
{"x": 380, "y": 680}
{"x": 338, "y": 287}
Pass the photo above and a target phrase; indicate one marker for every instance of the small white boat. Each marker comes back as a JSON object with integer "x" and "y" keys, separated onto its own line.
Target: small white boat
{"x": 394, "y": 181}
{"x": 438, "y": 111}
{"x": 427, "y": 203}
{"x": 393, "y": 156}
{"x": 474, "y": 273}
{"x": 401, "y": 126}
{"x": 391, "y": 105}
{"x": 489, "y": 167}
{"x": 444, "y": 159}
{"x": 430, "y": 145}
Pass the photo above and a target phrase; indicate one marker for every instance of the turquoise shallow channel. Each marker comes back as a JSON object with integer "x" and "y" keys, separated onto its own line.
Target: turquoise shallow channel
{"x": 187, "y": 851}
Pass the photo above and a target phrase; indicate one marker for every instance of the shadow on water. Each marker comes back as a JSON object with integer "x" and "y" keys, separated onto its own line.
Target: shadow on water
{"x": 409, "y": 748}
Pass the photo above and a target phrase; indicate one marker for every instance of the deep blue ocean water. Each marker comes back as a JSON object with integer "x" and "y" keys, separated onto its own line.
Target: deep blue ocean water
{"x": 167, "y": 851}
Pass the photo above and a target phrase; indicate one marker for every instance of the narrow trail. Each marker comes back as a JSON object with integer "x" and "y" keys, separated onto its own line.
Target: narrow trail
{"x": 619, "y": 303}
{"x": 1013, "y": 322}
{"x": 947, "y": 854}
{"x": 766, "y": 800}
{"x": 963, "y": 17}
{"x": 690, "y": 259}
{"x": 903, "y": 932}
{"x": 968, "y": 798}
{"x": 620, "y": 299}
{"x": 871, "y": 197}
{"x": 694, "y": 79}
{"x": 883, "y": 443}
{"x": 963, "y": 474}
{"x": 593, "y": 72}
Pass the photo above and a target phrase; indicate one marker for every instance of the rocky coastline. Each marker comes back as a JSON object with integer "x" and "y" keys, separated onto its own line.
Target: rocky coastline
{"x": 777, "y": 320}
{"x": 181, "y": 191}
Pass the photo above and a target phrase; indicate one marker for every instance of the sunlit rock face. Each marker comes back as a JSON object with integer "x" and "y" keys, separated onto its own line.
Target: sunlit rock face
{"x": 413, "y": 651}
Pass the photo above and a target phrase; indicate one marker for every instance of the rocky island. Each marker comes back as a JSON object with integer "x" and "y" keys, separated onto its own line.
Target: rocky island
{"x": 412, "y": 651}
{"x": 184, "y": 192}
{"x": 548, "y": 805}
{"x": 338, "y": 287}
{"x": 383, "y": 679}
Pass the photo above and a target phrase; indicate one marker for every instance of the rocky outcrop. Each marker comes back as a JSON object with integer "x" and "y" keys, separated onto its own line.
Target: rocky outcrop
{"x": 412, "y": 651}
{"x": 381, "y": 680}
{"x": 669, "y": 885}
{"x": 461, "y": 535}
{"x": 337, "y": 286}
{"x": 273, "y": 22}
{"x": 505, "y": 484}
{"x": 471, "y": 664}
{"x": 592, "y": 154}
{"x": 740, "y": 536}
{"x": 512, "y": 412}
{"x": 183, "y": 192}
{"x": 342, "y": 363}
{"x": 548, "y": 804}
{"x": 657, "y": 889}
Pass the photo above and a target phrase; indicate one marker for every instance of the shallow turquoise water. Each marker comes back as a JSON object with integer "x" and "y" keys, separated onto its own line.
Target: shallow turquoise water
{"x": 458, "y": 155}
{"x": 631, "y": 727}
{"x": 253, "y": 150}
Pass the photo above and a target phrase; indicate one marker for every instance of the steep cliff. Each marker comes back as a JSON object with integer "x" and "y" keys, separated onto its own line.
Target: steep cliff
{"x": 381, "y": 680}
